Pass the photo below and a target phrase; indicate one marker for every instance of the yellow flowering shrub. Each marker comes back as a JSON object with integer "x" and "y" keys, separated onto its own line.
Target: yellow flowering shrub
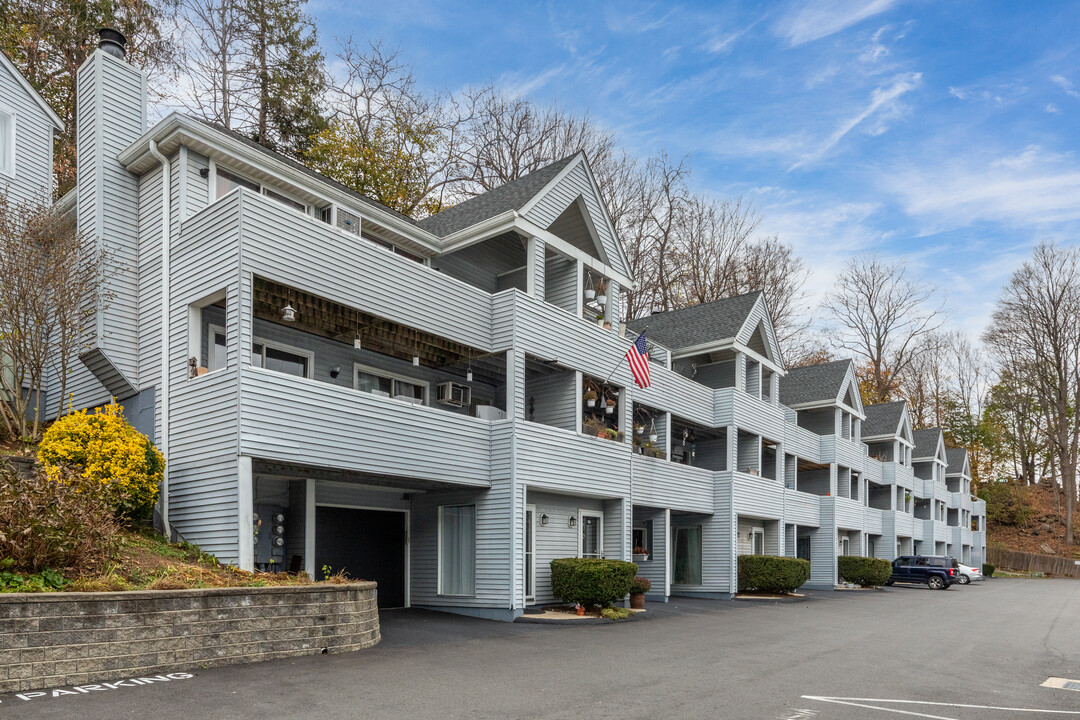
{"x": 104, "y": 448}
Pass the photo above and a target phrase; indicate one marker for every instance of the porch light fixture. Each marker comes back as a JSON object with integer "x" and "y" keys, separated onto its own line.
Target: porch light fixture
{"x": 356, "y": 341}
{"x": 571, "y": 521}
{"x": 468, "y": 373}
{"x": 288, "y": 313}
{"x": 416, "y": 353}
{"x": 543, "y": 520}
{"x": 335, "y": 371}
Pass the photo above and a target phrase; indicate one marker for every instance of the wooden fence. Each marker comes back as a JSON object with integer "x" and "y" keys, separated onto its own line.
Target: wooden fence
{"x": 1033, "y": 562}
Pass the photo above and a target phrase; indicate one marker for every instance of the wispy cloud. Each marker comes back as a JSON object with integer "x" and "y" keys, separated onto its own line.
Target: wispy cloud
{"x": 820, "y": 19}
{"x": 1065, "y": 84}
{"x": 1033, "y": 188}
{"x": 624, "y": 18}
{"x": 883, "y": 102}
{"x": 723, "y": 41}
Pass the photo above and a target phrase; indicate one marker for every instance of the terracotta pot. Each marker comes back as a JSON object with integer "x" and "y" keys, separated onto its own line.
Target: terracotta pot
{"x": 637, "y": 601}
{"x": 580, "y": 610}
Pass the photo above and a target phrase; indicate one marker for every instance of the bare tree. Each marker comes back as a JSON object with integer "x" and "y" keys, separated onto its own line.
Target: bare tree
{"x": 773, "y": 267}
{"x": 881, "y": 315}
{"x": 52, "y": 286}
{"x": 214, "y": 55}
{"x": 1036, "y": 319}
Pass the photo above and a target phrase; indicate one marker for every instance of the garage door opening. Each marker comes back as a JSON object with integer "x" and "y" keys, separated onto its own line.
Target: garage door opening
{"x": 366, "y": 544}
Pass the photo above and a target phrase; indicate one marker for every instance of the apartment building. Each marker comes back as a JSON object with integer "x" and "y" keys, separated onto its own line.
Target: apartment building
{"x": 443, "y": 405}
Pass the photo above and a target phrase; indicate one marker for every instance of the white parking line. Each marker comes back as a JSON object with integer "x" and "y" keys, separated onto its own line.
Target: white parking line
{"x": 861, "y": 702}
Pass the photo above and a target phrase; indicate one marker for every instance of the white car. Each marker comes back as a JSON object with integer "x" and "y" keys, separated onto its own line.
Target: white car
{"x": 967, "y": 574}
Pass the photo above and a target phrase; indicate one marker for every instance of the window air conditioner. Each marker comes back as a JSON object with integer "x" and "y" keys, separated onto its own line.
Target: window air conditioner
{"x": 450, "y": 393}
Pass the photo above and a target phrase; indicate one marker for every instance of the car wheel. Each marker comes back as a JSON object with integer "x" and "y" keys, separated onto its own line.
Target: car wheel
{"x": 964, "y": 579}
{"x": 935, "y": 582}
{"x": 888, "y": 582}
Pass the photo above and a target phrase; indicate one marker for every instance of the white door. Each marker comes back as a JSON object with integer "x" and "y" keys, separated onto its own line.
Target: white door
{"x": 843, "y": 546}
{"x": 591, "y": 537}
{"x": 530, "y": 552}
{"x": 757, "y": 545}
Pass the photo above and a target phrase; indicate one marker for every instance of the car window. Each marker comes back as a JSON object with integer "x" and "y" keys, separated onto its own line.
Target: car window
{"x": 922, "y": 562}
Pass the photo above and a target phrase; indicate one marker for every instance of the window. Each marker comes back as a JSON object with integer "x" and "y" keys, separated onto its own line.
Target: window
{"x": 294, "y": 204}
{"x": 641, "y": 538}
{"x": 380, "y": 382}
{"x": 227, "y": 182}
{"x": 457, "y": 550}
{"x": 687, "y": 555}
{"x": 282, "y": 358}
{"x": 7, "y": 141}
{"x": 216, "y": 352}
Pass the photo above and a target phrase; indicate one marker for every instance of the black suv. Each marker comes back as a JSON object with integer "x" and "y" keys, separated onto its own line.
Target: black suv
{"x": 937, "y": 572}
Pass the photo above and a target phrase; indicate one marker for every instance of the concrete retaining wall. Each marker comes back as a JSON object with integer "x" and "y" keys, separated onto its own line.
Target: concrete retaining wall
{"x": 55, "y": 639}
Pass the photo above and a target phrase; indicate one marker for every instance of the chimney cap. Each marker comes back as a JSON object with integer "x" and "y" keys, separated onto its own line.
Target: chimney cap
{"x": 112, "y": 42}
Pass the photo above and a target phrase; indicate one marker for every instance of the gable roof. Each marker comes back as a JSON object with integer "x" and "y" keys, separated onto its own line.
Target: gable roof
{"x": 927, "y": 442}
{"x": 814, "y": 383}
{"x": 883, "y": 419}
{"x": 513, "y": 195}
{"x": 957, "y": 459}
{"x": 698, "y": 324}
{"x": 10, "y": 66}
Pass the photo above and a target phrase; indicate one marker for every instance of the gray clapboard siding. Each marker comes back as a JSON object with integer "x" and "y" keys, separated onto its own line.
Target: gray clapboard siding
{"x": 823, "y": 548}
{"x": 33, "y": 170}
{"x": 660, "y": 483}
{"x": 757, "y": 496}
{"x": 557, "y": 539}
{"x": 560, "y": 283}
{"x": 802, "y": 508}
{"x": 321, "y": 260}
{"x": 554, "y": 400}
{"x": 558, "y": 460}
{"x": 111, "y": 109}
{"x": 358, "y": 431}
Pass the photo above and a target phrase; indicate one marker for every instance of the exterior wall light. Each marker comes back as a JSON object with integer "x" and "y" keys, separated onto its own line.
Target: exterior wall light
{"x": 288, "y": 313}
{"x": 335, "y": 371}
{"x": 543, "y": 519}
{"x": 571, "y": 521}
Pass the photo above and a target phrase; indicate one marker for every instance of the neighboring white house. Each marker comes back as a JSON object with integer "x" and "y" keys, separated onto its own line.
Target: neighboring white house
{"x": 339, "y": 385}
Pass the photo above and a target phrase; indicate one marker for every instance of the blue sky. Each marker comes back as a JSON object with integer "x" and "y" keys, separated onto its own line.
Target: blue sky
{"x": 944, "y": 133}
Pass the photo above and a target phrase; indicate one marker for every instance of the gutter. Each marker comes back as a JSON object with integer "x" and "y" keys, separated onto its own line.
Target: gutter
{"x": 166, "y": 195}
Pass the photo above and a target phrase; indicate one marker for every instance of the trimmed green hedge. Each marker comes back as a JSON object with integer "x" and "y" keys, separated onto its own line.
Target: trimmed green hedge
{"x": 988, "y": 570}
{"x": 769, "y": 573}
{"x": 588, "y": 581}
{"x": 864, "y": 571}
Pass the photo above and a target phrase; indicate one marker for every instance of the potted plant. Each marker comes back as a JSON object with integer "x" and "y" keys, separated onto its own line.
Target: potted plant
{"x": 590, "y": 291}
{"x": 590, "y": 398}
{"x": 639, "y": 429}
{"x": 641, "y": 554}
{"x": 601, "y": 293}
{"x": 609, "y": 408}
{"x": 638, "y": 588}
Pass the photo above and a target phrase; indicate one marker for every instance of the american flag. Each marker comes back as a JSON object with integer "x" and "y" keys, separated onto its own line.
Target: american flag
{"x": 637, "y": 357}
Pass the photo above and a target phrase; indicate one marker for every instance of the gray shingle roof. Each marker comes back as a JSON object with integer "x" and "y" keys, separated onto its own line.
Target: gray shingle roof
{"x": 882, "y": 419}
{"x": 303, "y": 168}
{"x": 509, "y": 196}
{"x": 698, "y": 324}
{"x": 813, "y": 383}
{"x": 955, "y": 457}
{"x": 926, "y": 442}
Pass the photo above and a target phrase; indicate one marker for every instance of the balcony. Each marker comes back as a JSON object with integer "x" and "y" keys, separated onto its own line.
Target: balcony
{"x": 298, "y": 421}
{"x": 659, "y": 483}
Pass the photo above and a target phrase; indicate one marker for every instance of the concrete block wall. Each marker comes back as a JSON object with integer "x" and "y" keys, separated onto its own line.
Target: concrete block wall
{"x": 56, "y": 639}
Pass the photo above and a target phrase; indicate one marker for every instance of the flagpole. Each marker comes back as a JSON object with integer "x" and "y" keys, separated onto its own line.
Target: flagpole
{"x": 623, "y": 357}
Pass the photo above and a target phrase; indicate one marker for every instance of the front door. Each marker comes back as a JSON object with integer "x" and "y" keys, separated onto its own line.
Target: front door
{"x": 802, "y": 548}
{"x": 592, "y": 535}
{"x": 366, "y": 545}
{"x": 757, "y": 544}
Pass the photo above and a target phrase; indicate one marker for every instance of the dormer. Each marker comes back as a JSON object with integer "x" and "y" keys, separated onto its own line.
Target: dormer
{"x": 547, "y": 234}
{"x": 725, "y": 343}
{"x": 825, "y": 398}
{"x": 887, "y": 432}
{"x": 958, "y": 470}
{"x": 929, "y": 458}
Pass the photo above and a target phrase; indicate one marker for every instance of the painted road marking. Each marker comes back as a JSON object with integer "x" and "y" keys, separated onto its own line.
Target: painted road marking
{"x": 84, "y": 689}
{"x": 1062, "y": 683}
{"x": 861, "y": 702}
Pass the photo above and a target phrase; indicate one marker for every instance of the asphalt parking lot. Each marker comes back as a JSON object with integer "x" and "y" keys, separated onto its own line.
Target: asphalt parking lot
{"x": 901, "y": 652}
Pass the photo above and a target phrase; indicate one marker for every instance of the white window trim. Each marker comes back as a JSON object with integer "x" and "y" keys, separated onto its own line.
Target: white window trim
{"x": 309, "y": 354}
{"x": 357, "y": 367}
{"x": 582, "y": 514}
{"x": 532, "y": 561}
{"x": 9, "y": 151}
{"x": 263, "y": 187}
{"x": 438, "y": 557}
{"x": 644, "y": 536}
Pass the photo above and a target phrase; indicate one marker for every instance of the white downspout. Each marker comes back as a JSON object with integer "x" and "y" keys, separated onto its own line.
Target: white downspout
{"x": 166, "y": 197}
